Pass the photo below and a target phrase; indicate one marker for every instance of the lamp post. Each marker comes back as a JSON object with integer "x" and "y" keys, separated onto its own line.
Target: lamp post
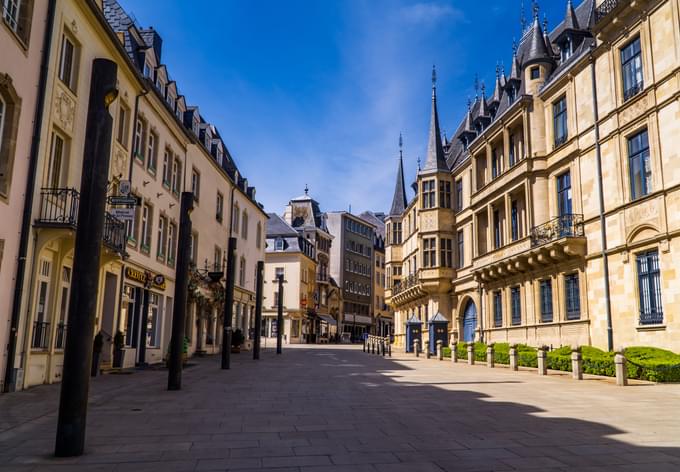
{"x": 228, "y": 304}
{"x": 70, "y": 439}
{"x": 279, "y": 318}
{"x": 179, "y": 312}
{"x": 258, "y": 309}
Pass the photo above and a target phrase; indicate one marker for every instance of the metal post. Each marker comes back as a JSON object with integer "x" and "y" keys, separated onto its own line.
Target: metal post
{"x": 75, "y": 383}
{"x": 258, "y": 309}
{"x": 179, "y": 310}
{"x": 144, "y": 321}
{"x": 228, "y": 304}
{"x": 279, "y": 318}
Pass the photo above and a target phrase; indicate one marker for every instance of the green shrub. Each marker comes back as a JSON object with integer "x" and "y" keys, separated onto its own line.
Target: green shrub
{"x": 653, "y": 364}
{"x": 446, "y": 351}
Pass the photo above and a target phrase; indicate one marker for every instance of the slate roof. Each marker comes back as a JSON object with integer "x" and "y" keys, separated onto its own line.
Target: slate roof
{"x": 399, "y": 202}
{"x": 435, "y": 159}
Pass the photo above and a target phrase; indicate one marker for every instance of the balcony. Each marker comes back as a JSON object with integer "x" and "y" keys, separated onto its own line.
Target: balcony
{"x": 606, "y": 8}
{"x": 408, "y": 289}
{"x": 565, "y": 226}
{"x": 59, "y": 209}
{"x": 610, "y": 14}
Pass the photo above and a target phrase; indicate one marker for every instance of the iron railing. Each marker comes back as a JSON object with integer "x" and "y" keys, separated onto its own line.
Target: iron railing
{"x": 651, "y": 317}
{"x": 58, "y": 207}
{"x": 606, "y": 7}
{"x": 406, "y": 283}
{"x": 565, "y": 226}
{"x": 60, "y": 341}
{"x": 633, "y": 90}
{"x": 41, "y": 335}
{"x": 114, "y": 235}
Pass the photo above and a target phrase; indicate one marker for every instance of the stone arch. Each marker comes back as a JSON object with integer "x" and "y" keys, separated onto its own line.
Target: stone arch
{"x": 459, "y": 320}
{"x": 642, "y": 232}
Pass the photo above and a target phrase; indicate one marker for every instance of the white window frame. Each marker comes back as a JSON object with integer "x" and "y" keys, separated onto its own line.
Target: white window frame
{"x": 10, "y": 12}
{"x": 69, "y": 81}
{"x": 55, "y": 173}
{"x": 3, "y": 112}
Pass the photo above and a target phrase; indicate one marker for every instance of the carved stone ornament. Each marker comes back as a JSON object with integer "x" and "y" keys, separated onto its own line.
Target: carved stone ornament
{"x": 64, "y": 110}
{"x": 120, "y": 163}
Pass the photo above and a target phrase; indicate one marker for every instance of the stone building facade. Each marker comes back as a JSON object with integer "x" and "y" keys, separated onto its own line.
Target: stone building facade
{"x": 549, "y": 218}
{"x": 161, "y": 147}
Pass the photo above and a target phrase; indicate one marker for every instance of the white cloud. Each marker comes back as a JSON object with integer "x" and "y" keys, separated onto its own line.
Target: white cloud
{"x": 428, "y": 13}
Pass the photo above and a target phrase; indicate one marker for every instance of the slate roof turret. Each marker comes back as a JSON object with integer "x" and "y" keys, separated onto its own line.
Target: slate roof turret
{"x": 435, "y": 160}
{"x": 537, "y": 50}
{"x": 399, "y": 202}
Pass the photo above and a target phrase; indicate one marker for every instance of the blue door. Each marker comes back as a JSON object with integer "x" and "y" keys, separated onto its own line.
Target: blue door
{"x": 469, "y": 322}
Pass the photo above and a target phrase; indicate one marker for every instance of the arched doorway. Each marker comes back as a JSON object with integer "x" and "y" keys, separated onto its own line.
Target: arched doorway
{"x": 469, "y": 322}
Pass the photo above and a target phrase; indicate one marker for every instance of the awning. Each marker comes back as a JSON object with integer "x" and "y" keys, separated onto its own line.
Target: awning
{"x": 358, "y": 319}
{"x": 328, "y": 319}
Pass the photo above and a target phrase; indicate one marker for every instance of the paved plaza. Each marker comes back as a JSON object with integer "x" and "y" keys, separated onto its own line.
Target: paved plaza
{"x": 337, "y": 409}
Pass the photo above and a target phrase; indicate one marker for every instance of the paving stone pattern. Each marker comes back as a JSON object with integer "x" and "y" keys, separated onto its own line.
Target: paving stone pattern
{"x": 332, "y": 409}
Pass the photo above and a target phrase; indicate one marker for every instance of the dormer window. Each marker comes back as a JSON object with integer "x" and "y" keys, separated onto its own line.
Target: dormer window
{"x": 278, "y": 244}
{"x": 566, "y": 49}
{"x": 147, "y": 70}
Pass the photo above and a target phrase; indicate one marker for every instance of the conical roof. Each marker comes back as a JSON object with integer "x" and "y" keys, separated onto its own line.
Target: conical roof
{"x": 435, "y": 160}
{"x": 514, "y": 72}
{"x": 399, "y": 202}
{"x": 537, "y": 50}
{"x": 570, "y": 19}
{"x": 498, "y": 90}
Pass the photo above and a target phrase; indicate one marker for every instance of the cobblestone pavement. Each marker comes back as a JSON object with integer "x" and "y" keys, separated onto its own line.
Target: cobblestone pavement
{"x": 337, "y": 409}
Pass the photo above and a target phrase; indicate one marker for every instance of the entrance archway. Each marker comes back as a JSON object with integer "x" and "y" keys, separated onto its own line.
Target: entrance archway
{"x": 469, "y": 322}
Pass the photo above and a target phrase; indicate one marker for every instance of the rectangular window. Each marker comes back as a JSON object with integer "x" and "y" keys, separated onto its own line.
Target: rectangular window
{"x": 572, "y": 296}
{"x": 516, "y": 305}
{"x": 497, "y": 309}
{"x": 147, "y": 223}
{"x": 176, "y": 176}
{"x": 10, "y": 12}
{"x": 428, "y": 194}
{"x": 242, "y": 273}
{"x": 560, "y": 121}
{"x": 511, "y": 155}
{"x": 152, "y": 161}
{"x": 133, "y": 226}
{"x": 461, "y": 249}
{"x": 161, "y": 250}
{"x": 217, "y": 259}
{"x": 193, "y": 250}
{"x": 219, "y": 210}
{"x": 535, "y": 73}
{"x": 167, "y": 168}
{"x": 459, "y": 194}
{"x": 195, "y": 184}
{"x": 244, "y": 225}
{"x": 122, "y": 132}
{"x": 445, "y": 194}
{"x": 564, "y": 204}
{"x": 446, "y": 253}
{"x": 514, "y": 221}
{"x": 546, "y": 301}
{"x": 172, "y": 243}
{"x": 138, "y": 144}
{"x": 57, "y": 161}
{"x": 495, "y": 164}
{"x": 497, "y": 230}
{"x": 67, "y": 63}
{"x": 631, "y": 69}
{"x": 649, "y": 286}
{"x": 235, "y": 219}
{"x": 640, "y": 166}
{"x": 429, "y": 252}
{"x": 153, "y": 320}
{"x": 397, "y": 233}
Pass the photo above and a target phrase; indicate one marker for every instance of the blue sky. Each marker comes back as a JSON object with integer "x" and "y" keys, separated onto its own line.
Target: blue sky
{"x": 317, "y": 91}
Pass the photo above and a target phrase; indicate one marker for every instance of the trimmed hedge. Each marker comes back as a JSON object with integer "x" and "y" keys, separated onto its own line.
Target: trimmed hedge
{"x": 644, "y": 363}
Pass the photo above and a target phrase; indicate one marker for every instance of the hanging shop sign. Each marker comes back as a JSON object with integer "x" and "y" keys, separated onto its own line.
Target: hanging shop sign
{"x": 146, "y": 278}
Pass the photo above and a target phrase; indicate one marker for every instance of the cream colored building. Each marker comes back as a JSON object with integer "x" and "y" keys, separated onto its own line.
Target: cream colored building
{"x": 290, "y": 255}
{"x": 22, "y": 32}
{"x": 511, "y": 241}
{"x": 162, "y": 147}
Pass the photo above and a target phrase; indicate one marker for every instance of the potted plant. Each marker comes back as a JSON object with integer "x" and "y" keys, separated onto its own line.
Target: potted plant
{"x": 236, "y": 340}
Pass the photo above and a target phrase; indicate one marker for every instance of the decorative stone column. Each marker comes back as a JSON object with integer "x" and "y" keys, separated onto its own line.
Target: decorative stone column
{"x": 471, "y": 353}
{"x": 576, "y": 363}
{"x": 621, "y": 368}
{"x": 514, "y": 358}
{"x": 454, "y": 352}
{"x": 542, "y": 354}
{"x": 490, "y": 356}
{"x": 440, "y": 351}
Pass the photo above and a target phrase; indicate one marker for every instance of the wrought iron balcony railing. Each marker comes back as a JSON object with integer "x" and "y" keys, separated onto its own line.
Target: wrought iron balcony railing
{"x": 606, "y": 7}
{"x": 41, "y": 335}
{"x": 59, "y": 207}
{"x": 60, "y": 341}
{"x": 114, "y": 235}
{"x": 565, "y": 226}
{"x": 405, "y": 283}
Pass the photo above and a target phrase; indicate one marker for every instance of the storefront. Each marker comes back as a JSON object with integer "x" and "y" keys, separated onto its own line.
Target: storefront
{"x": 356, "y": 326}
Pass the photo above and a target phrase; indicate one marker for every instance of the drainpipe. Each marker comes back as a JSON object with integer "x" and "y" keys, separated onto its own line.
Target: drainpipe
{"x": 603, "y": 227}
{"x": 28, "y": 203}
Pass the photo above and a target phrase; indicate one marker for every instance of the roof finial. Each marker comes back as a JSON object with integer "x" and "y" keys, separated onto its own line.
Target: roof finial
{"x": 498, "y": 70}
{"x": 306, "y": 189}
{"x": 535, "y": 8}
{"x": 476, "y": 86}
{"x": 522, "y": 17}
{"x": 545, "y": 22}
{"x": 418, "y": 163}
{"x": 514, "y": 47}
{"x": 401, "y": 145}
{"x": 483, "y": 87}
{"x": 434, "y": 76}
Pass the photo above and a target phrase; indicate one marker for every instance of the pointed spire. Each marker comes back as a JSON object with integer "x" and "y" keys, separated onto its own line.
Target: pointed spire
{"x": 399, "y": 202}
{"x": 570, "y": 19}
{"x": 435, "y": 152}
{"x": 498, "y": 90}
{"x": 537, "y": 52}
{"x": 546, "y": 36}
{"x": 514, "y": 71}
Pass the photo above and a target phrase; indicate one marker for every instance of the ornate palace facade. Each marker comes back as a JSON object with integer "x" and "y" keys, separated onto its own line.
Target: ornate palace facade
{"x": 551, "y": 215}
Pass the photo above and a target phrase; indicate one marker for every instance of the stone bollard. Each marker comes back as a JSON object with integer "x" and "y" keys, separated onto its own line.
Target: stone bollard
{"x": 514, "y": 358}
{"x": 389, "y": 349}
{"x": 427, "y": 349}
{"x": 490, "y": 356}
{"x": 542, "y": 354}
{"x": 471, "y": 353}
{"x": 372, "y": 347}
{"x": 454, "y": 352}
{"x": 576, "y": 363}
{"x": 416, "y": 347}
{"x": 382, "y": 345}
{"x": 621, "y": 368}
{"x": 364, "y": 346}
{"x": 440, "y": 351}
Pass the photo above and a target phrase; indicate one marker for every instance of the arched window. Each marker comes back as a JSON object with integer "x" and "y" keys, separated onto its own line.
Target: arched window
{"x": 244, "y": 225}
{"x": 258, "y": 235}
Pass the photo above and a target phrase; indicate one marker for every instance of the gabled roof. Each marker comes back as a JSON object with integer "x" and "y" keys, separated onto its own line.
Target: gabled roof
{"x": 438, "y": 318}
{"x": 276, "y": 226}
{"x": 413, "y": 320}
